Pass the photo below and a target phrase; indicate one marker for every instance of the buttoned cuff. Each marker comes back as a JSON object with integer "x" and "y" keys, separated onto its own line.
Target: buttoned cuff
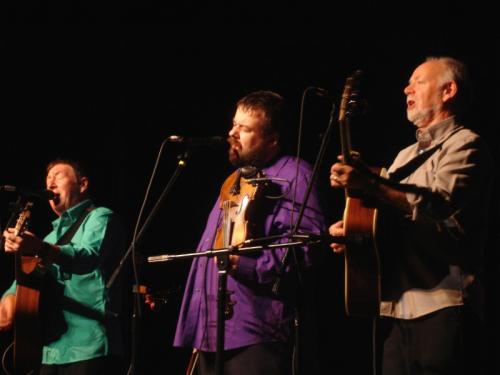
{"x": 246, "y": 267}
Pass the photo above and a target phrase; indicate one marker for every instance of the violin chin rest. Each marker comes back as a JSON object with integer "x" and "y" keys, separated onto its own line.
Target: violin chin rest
{"x": 248, "y": 171}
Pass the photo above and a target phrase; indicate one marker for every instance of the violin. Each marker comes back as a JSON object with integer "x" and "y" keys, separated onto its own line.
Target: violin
{"x": 237, "y": 197}
{"x": 237, "y": 202}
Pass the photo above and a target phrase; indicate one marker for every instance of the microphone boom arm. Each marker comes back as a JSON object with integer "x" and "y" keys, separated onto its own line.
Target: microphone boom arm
{"x": 298, "y": 240}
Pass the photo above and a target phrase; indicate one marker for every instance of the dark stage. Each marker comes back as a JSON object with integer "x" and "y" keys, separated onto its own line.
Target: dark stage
{"x": 108, "y": 85}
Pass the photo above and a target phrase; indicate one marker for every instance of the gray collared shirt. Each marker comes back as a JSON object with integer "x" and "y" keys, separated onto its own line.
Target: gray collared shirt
{"x": 458, "y": 176}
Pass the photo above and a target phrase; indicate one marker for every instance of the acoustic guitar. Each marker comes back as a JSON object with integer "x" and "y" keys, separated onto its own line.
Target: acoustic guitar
{"x": 27, "y": 326}
{"x": 362, "y": 266}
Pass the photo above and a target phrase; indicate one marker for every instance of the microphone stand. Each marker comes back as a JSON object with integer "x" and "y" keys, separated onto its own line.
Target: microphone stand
{"x": 285, "y": 259}
{"x": 235, "y": 250}
{"x": 136, "y": 313}
{"x": 223, "y": 265}
{"x": 314, "y": 176}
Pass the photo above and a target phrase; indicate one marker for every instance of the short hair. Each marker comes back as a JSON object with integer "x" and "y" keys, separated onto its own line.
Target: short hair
{"x": 456, "y": 71}
{"x": 269, "y": 102}
{"x": 77, "y": 166}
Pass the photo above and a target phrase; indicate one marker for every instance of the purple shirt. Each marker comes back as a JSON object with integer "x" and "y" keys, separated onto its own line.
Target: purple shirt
{"x": 259, "y": 316}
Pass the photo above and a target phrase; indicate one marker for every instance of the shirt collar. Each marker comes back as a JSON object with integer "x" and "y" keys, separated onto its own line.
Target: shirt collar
{"x": 73, "y": 213}
{"x": 275, "y": 165}
{"x": 433, "y": 134}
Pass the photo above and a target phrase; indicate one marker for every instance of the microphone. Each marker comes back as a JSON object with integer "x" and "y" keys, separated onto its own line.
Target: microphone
{"x": 321, "y": 92}
{"x": 357, "y": 240}
{"x": 197, "y": 142}
{"x": 159, "y": 258}
{"x": 310, "y": 237}
{"x": 260, "y": 180}
{"x": 357, "y": 104}
{"x": 27, "y": 192}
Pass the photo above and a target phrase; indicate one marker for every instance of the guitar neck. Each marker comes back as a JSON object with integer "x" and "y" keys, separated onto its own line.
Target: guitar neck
{"x": 349, "y": 96}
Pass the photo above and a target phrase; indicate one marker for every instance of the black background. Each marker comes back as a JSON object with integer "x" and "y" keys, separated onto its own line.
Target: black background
{"x": 108, "y": 83}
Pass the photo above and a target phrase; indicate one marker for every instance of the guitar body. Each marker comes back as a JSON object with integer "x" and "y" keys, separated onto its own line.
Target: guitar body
{"x": 361, "y": 261}
{"x": 27, "y": 326}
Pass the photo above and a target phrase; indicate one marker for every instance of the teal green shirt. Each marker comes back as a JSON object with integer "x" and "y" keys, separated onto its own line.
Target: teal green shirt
{"x": 82, "y": 278}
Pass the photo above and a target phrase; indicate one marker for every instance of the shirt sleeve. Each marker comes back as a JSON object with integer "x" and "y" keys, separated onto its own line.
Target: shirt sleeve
{"x": 264, "y": 267}
{"x": 11, "y": 290}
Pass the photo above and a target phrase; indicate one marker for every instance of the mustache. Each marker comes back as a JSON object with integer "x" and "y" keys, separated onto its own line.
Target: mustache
{"x": 233, "y": 142}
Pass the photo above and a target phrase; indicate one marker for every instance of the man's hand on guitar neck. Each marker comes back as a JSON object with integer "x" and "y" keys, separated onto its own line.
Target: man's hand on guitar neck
{"x": 7, "y": 307}
{"x": 337, "y": 230}
{"x": 347, "y": 176}
{"x": 29, "y": 244}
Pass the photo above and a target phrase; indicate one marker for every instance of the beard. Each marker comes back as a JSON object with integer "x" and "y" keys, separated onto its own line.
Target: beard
{"x": 237, "y": 159}
{"x": 234, "y": 152}
{"x": 252, "y": 157}
{"x": 234, "y": 157}
{"x": 420, "y": 117}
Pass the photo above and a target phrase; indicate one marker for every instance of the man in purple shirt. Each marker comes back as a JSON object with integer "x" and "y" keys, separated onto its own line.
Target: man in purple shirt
{"x": 258, "y": 332}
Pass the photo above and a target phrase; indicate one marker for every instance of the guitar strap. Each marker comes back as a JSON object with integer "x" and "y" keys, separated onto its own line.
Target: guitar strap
{"x": 68, "y": 235}
{"x": 405, "y": 170}
{"x": 411, "y": 166}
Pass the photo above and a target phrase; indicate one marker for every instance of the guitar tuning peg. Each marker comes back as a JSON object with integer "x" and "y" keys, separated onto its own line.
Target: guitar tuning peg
{"x": 357, "y": 106}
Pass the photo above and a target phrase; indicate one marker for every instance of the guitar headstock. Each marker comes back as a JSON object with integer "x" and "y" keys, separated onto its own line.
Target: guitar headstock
{"x": 23, "y": 219}
{"x": 349, "y": 105}
{"x": 350, "y": 96}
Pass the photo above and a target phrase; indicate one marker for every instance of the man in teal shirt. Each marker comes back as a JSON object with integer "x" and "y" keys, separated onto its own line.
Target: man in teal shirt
{"x": 81, "y": 331}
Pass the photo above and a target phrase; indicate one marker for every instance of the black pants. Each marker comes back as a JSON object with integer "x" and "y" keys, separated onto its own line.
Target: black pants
{"x": 259, "y": 359}
{"x": 447, "y": 341}
{"x": 95, "y": 366}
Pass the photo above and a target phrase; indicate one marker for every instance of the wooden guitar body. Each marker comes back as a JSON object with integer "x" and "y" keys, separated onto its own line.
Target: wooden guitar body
{"x": 27, "y": 325}
{"x": 362, "y": 263}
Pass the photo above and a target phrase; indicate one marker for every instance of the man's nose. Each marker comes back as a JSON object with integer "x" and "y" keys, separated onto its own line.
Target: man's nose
{"x": 233, "y": 132}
